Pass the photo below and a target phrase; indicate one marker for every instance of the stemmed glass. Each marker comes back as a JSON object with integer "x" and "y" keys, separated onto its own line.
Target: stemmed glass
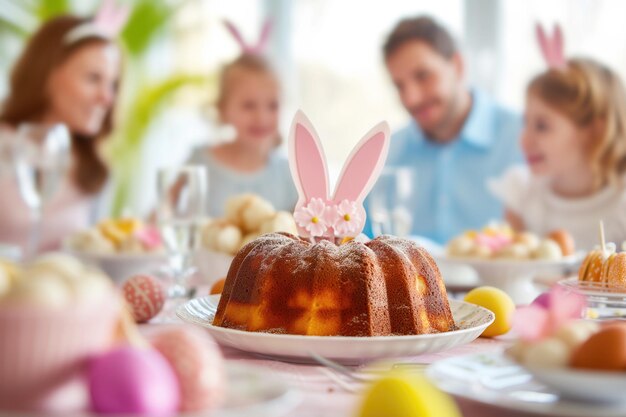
{"x": 181, "y": 194}
{"x": 41, "y": 157}
{"x": 389, "y": 202}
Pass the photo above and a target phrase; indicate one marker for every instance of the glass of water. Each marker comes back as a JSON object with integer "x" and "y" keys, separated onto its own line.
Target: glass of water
{"x": 389, "y": 202}
{"x": 181, "y": 195}
{"x": 41, "y": 158}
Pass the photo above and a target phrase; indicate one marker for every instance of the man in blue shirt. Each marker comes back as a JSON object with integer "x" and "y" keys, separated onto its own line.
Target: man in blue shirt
{"x": 458, "y": 138}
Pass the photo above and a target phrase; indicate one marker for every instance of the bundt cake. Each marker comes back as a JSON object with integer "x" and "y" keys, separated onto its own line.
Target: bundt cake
{"x": 281, "y": 283}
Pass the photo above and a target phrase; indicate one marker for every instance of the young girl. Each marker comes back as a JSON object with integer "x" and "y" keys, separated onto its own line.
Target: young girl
{"x": 248, "y": 100}
{"x": 574, "y": 141}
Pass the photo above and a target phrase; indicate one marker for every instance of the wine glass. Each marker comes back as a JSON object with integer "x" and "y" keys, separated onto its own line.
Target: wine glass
{"x": 181, "y": 197}
{"x": 389, "y": 202}
{"x": 41, "y": 157}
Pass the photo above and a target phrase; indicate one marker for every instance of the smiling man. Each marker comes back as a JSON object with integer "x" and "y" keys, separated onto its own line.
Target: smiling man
{"x": 458, "y": 138}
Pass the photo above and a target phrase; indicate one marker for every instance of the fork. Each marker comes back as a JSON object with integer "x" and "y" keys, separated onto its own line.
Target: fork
{"x": 352, "y": 377}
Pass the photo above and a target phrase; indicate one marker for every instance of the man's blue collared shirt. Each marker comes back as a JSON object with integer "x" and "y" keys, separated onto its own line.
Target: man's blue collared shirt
{"x": 450, "y": 193}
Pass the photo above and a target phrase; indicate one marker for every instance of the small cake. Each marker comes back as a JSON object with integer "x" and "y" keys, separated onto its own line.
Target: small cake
{"x": 54, "y": 315}
{"x": 606, "y": 267}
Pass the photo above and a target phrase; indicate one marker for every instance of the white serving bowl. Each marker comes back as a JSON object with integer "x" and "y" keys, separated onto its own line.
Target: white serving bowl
{"x": 515, "y": 277}
{"x": 121, "y": 266}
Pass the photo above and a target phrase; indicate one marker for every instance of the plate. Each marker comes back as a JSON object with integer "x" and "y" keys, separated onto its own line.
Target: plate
{"x": 515, "y": 277}
{"x": 250, "y": 392}
{"x": 587, "y": 385}
{"x": 471, "y": 319}
{"x": 495, "y": 380}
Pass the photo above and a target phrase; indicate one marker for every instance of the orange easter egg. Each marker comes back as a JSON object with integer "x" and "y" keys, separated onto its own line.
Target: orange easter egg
{"x": 218, "y": 286}
{"x": 565, "y": 240}
{"x": 604, "y": 350}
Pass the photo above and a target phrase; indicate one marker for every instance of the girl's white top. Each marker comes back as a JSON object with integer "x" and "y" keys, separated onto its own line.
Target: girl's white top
{"x": 542, "y": 211}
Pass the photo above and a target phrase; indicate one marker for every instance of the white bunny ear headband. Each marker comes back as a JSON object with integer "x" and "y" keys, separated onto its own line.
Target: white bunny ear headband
{"x": 107, "y": 24}
{"x": 317, "y": 213}
{"x": 552, "y": 46}
{"x": 255, "y": 49}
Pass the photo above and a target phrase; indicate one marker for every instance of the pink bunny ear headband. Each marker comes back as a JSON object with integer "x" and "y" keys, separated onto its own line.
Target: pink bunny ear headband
{"x": 552, "y": 46}
{"x": 261, "y": 43}
{"x": 107, "y": 24}
{"x": 317, "y": 213}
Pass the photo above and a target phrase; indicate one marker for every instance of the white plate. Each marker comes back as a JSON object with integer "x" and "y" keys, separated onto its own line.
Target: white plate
{"x": 515, "y": 277}
{"x": 120, "y": 266}
{"x": 250, "y": 392}
{"x": 586, "y": 385}
{"x": 470, "y": 318}
{"x": 495, "y": 380}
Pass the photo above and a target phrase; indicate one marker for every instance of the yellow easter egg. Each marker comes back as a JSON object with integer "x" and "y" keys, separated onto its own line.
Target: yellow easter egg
{"x": 499, "y": 303}
{"x": 403, "y": 395}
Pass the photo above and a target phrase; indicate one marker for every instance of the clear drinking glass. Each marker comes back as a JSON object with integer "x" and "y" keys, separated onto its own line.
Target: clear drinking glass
{"x": 41, "y": 158}
{"x": 181, "y": 194}
{"x": 389, "y": 202}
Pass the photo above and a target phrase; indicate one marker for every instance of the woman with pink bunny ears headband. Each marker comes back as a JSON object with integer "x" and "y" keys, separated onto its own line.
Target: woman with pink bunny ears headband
{"x": 574, "y": 141}
{"x": 248, "y": 108}
{"x": 68, "y": 73}
{"x": 319, "y": 214}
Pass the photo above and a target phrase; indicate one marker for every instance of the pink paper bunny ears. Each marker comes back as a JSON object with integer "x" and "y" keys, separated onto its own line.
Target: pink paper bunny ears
{"x": 246, "y": 48}
{"x": 317, "y": 213}
{"x": 107, "y": 24}
{"x": 552, "y": 47}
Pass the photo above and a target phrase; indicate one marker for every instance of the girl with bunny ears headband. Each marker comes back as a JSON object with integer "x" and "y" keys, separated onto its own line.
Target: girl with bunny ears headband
{"x": 319, "y": 214}
{"x": 574, "y": 141}
{"x": 248, "y": 108}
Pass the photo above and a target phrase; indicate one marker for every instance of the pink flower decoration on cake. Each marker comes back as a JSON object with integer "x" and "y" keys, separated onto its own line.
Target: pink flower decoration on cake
{"x": 348, "y": 219}
{"x": 316, "y": 217}
{"x": 548, "y": 314}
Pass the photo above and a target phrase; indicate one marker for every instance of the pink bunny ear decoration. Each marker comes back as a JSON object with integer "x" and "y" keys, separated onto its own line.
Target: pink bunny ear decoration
{"x": 552, "y": 47}
{"x": 261, "y": 44}
{"x": 107, "y": 24}
{"x": 318, "y": 214}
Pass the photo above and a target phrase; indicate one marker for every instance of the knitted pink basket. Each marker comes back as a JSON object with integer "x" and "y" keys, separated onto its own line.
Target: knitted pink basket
{"x": 42, "y": 348}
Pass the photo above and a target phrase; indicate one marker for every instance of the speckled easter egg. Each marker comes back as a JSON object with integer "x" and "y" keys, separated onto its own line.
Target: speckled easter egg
{"x": 145, "y": 296}
{"x": 198, "y": 364}
{"x": 134, "y": 381}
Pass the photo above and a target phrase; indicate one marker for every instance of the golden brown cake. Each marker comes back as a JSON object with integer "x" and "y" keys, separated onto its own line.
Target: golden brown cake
{"x": 280, "y": 283}
{"x": 603, "y": 269}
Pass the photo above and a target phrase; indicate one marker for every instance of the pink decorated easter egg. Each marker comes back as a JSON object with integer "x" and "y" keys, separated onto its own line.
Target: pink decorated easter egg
{"x": 134, "y": 381}
{"x": 145, "y": 295}
{"x": 198, "y": 363}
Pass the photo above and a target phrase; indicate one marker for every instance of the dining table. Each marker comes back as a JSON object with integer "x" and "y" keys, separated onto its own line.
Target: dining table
{"x": 323, "y": 392}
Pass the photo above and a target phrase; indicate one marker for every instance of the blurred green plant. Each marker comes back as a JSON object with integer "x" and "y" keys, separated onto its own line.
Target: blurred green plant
{"x": 141, "y": 100}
